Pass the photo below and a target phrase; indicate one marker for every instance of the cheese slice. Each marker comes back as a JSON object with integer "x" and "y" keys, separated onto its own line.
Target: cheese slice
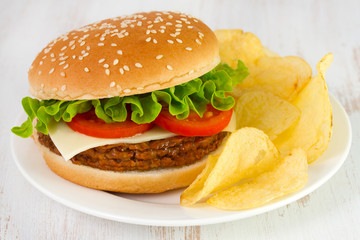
{"x": 69, "y": 143}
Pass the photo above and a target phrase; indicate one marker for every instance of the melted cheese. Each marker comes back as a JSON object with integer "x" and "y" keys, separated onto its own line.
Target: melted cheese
{"x": 69, "y": 143}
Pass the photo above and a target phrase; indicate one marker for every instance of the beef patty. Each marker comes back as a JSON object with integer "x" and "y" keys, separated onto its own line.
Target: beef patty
{"x": 170, "y": 152}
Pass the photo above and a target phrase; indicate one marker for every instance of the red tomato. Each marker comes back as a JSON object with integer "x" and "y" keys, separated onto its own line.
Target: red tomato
{"x": 212, "y": 122}
{"x": 89, "y": 124}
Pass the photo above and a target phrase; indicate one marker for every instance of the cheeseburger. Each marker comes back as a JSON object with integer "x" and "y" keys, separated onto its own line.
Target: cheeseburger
{"x": 131, "y": 104}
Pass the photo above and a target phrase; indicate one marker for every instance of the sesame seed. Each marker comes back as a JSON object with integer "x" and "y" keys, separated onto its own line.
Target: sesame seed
{"x": 119, "y": 52}
{"x": 150, "y": 26}
{"x": 190, "y": 26}
{"x": 173, "y": 34}
{"x": 126, "y": 34}
{"x": 107, "y": 71}
{"x": 63, "y": 87}
{"x": 188, "y": 48}
{"x": 178, "y": 29}
{"x": 198, "y": 41}
{"x": 178, "y": 21}
{"x": 62, "y": 74}
{"x": 170, "y": 17}
{"x": 52, "y": 55}
{"x": 81, "y": 57}
{"x": 121, "y": 70}
{"x": 66, "y": 66}
{"x": 169, "y": 67}
{"x": 53, "y": 59}
{"x": 88, "y": 48}
{"x": 112, "y": 84}
{"x": 196, "y": 20}
{"x": 41, "y": 62}
{"x": 191, "y": 72}
{"x": 148, "y": 31}
{"x": 86, "y": 69}
{"x": 102, "y": 39}
{"x": 101, "y": 60}
{"x": 86, "y": 54}
{"x": 168, "y": 23}
{"x": 127, "y": 90}
{"x": 99, "y": 44}
{"x": 44, "y": 57}
{"x": 39, "y": 72}
{"x": 179, "y": 40}
{"x": 138, "y": 65}
{"x": 139, "y": 23}
{"x": 154, "y": 40}
{"x": 113, "y": 44}
{"x": 106, "y": 65}
{"x": 72, "y": 47}
{"x": 159, "y": 57}
{"x": 163, "y": 27}
{"x": 178, "y": 25}
{"x": 126, "y": 68}
{"x": 148, "y": 39}
{"x": 116, "y": 61}
{"x": 82, "y": 43}
{"x": 162, "y": 30}
{"x": 98, "y": 34}
{"x": 83, "y": 51}
{"x": 61, "y": 63}
{"x": 65, "y": 47}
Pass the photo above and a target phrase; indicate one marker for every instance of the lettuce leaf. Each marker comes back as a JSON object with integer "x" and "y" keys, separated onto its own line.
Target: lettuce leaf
{"x": 194, "y": 95}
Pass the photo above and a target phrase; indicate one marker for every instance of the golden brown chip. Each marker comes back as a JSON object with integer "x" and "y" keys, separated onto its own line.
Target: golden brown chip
{"x": 247, "y": 153}
{"x": 234, "y": 44}
{"x": 265, "y": 111}
{"x": 283, "y": 76}
{"x": 313, "y": 130}
{"x": 288, "y": 176}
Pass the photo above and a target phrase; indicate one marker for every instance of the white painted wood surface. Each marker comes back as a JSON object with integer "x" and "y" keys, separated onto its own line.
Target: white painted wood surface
{"x": 308, "y": 29}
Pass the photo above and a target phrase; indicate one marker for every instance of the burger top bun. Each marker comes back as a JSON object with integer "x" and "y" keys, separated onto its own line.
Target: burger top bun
{"x": 123, "y": 56}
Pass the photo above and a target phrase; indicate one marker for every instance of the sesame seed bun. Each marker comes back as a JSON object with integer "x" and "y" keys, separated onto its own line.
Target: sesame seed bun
{"x": 124, "y": 56}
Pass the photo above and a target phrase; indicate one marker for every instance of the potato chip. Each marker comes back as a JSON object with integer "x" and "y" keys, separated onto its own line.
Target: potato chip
{"x": 313, "y": 130}
{"x": 265, "y": 111}
{"x": 283, "y": 76}
{"x": 234, "y": 44}
{"x": 270, "y": 53}
{"x": 247, "y": 153}
{"x": 288, "y": 176}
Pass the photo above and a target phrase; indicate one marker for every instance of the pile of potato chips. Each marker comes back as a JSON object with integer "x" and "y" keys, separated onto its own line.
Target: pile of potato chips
{"x": 284, "y": 122}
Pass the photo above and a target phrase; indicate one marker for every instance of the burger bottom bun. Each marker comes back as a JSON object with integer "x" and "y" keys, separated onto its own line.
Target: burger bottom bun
{"x": 153, "y": 181}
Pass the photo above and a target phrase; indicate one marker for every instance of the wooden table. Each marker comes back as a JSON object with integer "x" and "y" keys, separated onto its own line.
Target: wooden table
{"x": 308, "y": 29}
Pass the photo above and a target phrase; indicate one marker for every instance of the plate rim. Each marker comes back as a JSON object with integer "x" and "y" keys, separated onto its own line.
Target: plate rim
{"x": 233, "y": 215}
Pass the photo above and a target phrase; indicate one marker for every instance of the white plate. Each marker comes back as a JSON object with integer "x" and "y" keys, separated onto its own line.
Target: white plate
{"x": 164, "y": 209}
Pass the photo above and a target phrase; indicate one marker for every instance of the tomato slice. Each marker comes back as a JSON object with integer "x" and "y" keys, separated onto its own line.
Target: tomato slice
{"x": 212, "y": 122}
{"x": 89, "y": 124}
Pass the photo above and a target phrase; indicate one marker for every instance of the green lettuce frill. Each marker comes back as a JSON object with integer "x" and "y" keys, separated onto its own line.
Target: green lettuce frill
{"x": 180, "y": 100}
